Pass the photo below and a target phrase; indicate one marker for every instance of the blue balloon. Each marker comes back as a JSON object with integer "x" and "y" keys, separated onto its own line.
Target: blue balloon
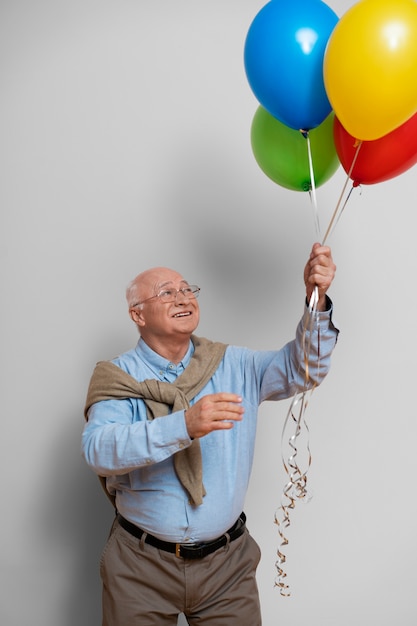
{"x": 283, "y": 56}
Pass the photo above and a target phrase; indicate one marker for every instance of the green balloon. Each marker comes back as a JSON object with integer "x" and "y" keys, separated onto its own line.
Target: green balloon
{"x": 282, "y": 152}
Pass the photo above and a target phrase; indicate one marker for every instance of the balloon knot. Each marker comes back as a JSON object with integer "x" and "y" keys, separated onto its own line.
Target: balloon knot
{"x": 304, "y": 133}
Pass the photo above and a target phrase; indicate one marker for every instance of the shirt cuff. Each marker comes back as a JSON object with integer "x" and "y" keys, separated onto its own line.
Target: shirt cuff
{"x": 323, "y": 316}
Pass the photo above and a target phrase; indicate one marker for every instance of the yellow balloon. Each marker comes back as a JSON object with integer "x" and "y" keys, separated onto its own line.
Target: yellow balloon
{"x": 370, "y": 67}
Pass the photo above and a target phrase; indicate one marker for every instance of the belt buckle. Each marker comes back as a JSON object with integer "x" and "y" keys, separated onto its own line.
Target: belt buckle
{"x": 178, "y": 550}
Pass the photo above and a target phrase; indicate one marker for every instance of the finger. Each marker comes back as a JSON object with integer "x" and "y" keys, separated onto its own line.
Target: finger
{"x": 224, "y": 396}
{"x": 228, "y": 412}
{"x": 321, "y": 260}
{"x": 318, "y": 248}
{"x": 320, "y": 279}
{"x": 227, "y": 425}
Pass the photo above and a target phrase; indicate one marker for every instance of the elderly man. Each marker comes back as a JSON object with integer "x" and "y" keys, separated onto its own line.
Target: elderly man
{"x": 171, "y": 431}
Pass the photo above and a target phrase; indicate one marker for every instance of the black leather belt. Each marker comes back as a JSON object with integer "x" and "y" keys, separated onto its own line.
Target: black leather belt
{"x": 187, "y": 551}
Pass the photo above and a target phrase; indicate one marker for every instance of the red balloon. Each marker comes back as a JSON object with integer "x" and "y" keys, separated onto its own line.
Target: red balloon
{"x": 380, "y": 159}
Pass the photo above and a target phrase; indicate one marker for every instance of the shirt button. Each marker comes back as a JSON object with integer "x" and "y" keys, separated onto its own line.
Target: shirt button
{"x": 181, "y": 445}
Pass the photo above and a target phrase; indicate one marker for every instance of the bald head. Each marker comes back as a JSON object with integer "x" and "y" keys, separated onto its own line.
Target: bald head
{"x": 148, "y": 284}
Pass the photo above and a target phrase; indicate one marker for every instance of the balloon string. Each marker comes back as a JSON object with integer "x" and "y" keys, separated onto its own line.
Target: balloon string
{"x": 338, "y": 212}
{"x": 296, "y": 487}
{"x": 343, "y": 207}
{"x": 312, "y": 186}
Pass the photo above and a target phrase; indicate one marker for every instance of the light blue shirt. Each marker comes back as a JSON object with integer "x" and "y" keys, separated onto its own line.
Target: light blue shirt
{"x": 136, "y": 455}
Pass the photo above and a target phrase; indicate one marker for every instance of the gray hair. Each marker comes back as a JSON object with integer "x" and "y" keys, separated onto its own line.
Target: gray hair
{"x": 132, "y": 293}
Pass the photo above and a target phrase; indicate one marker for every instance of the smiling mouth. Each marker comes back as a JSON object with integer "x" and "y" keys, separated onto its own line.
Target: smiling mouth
{"x": 185, "y": 314}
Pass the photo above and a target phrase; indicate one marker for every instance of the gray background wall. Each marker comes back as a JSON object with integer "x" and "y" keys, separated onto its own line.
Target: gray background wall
{"x": 125, "y": 143}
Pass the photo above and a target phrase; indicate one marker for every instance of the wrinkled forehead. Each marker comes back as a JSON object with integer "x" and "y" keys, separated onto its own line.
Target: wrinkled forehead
{"x": 159, "y": 277}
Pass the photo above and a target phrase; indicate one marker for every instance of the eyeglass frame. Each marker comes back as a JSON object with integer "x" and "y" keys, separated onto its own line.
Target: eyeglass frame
{"x": 194, "y": 291}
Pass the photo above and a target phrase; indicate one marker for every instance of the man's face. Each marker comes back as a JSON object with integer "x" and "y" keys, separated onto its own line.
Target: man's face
{"x": 158, "y": 320}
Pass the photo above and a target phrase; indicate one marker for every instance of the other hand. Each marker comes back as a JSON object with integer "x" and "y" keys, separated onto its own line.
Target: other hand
{"x": 217, "y": 411}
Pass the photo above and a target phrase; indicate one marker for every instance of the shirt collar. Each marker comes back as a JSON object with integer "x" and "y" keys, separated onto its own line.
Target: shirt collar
{"x": 163, "y": 368}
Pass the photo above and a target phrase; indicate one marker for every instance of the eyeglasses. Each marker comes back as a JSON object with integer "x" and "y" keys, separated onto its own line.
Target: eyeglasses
{"x": 170, "y": 295}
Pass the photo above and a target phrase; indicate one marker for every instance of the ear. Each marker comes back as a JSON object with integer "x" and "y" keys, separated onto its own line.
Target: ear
{"x": 136, "y": 316}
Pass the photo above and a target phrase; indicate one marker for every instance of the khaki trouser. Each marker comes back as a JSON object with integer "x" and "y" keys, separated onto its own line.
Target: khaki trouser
{"x": 144, "y": 586}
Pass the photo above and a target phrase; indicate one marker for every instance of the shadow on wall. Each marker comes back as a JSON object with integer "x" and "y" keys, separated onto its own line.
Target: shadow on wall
{"x": 76, "y": 520}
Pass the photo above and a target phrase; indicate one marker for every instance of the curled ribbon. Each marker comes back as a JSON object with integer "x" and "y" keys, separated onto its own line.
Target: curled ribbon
{"x": 296, "y": 487}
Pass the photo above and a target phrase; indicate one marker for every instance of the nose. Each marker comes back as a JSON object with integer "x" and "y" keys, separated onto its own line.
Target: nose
{"x": 184, "y": 297}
